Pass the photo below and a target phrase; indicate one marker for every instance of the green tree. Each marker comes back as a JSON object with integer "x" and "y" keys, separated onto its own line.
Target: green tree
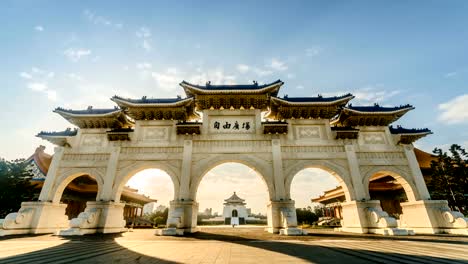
{"x": 450, "y": 177}
{"x": 15, "y": 186}
{"x": 158, "y": 217}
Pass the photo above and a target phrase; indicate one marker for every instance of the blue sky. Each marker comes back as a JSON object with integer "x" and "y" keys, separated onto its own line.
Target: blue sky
{"x": 81, "y": 53}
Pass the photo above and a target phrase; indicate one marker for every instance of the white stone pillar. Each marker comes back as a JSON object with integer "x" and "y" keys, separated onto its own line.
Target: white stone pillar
{"x": 355, "y": 173}
{"x": 184, "y": 188}
{"x": 278, "y": 176}
{"x": 46, "y": 192}
{"x": 422, "y": 192}
{"x": 111, "y": 170}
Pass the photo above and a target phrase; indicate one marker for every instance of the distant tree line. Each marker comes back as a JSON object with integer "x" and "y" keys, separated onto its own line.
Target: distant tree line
{"x": 449, "y": 178}
{"x": 309, "y": 215}
{"x": 157, "y": 217}
{"x": 15, "y": 186}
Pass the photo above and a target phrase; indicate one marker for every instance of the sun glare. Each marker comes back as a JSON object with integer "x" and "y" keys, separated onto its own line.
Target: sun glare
{"x": 154, "y": 183}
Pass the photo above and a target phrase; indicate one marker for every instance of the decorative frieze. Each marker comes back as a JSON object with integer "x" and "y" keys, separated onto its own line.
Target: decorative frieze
{"x": 380, "y": 155}
{"x": 232, "y": 146}
{"x": 294, "y": 149}
{"x": 146, "y": 150}
{"x": 82, "y": 156}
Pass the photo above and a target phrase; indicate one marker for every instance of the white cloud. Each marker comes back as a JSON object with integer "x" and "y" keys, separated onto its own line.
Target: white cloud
{"x": 262, "y": 72}
{"x": 39, "y": 28}
{"x": 146, "y": 45}
{"x": 277, "y": 65}
{"x": 51, "y": 95}
{"x": 167, "y": 80}
{"x": 216, "y": 76}
{"x": 454, "y": 111}
{"x": 450, "y": 74}
{"x": 75, "y": 76}
{"x": 143, "y": 65}
{"x": 300, "y": 87}
{"x": 243, "y": 68}
{"x": 100, "y": 20}
{"x": 75, "y": 54}
{"x": 313, "y": 51}
{"x": 37, "y": 86}
{"x": 291, "y": 76}
{"x": 144, "y": 34}
{"x": 373, "y": 94}
{"x": 38, "y": 81}
{"x": 25, "y": 75}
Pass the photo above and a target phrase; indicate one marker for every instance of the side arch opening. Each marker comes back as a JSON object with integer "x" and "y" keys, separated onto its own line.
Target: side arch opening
{"x": 391, "y": 189}
{"x": 76, "y": 189}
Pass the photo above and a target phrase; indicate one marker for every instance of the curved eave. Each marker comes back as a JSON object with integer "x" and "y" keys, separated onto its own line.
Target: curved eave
{"x": 338, "y": 101}
{"x": 66, "y": 114}
{"x": 56, "y": 140}
{"x": 125, "y": 103}
{"x": 392, "y": 112}
{"x": 191, "y": 89}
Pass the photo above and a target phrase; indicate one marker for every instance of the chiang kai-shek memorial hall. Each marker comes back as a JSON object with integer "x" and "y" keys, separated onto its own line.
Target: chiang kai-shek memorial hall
{"x": 249, "y": 124}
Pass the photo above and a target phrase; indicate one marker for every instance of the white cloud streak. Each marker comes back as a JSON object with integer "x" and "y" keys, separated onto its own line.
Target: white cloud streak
{"x": 144, "y": 34}
{"x": 39, "y": 28}
{"x": 100, "y": 20}
{"x": 75, "y": 54}
{"x": 277, "y": 65}
{"x": 454, "y": 111}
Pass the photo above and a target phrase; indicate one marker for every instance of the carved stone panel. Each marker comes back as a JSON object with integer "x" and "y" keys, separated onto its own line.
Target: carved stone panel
{"x": 92, "y": 140}
{"x": 155, "y": 133}
{"x": 373, "y": 138}
{"x": 308, "y": 132}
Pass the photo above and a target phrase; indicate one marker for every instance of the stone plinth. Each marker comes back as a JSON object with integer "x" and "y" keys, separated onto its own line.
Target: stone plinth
{"x": 282, "y": 218}
{"x": 98, "y": 217}
{"x": 432, "y": 217}
{"x": 182, "y": 218}
{"x": 35, "y": 218}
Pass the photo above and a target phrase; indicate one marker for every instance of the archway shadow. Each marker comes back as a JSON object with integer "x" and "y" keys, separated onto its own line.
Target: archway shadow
{"x": 327, "y": 253}
{"x": 97, "y": 248}
{"x": 103, "y": 248}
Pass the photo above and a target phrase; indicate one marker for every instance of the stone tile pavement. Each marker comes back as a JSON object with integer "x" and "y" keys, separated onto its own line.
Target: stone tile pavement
{"x": 227, "y": 245}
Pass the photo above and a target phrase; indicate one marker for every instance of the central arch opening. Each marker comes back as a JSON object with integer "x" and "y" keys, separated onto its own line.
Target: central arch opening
{"x": 233, "y": 194}
{"x": 146, "y": 196}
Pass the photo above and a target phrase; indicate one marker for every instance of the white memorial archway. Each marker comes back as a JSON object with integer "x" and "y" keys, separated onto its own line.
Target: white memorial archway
{"x": 351, "y": 142}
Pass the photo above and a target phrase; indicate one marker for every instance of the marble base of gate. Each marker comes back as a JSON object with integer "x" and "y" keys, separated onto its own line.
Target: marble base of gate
{"x": 35, "y": 218}
{"x": 98, "y": 217}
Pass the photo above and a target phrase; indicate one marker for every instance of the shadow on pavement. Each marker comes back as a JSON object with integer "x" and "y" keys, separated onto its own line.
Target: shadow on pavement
{"x": 326, "y": 254}
{"x": 100, "y": 248}
{"x": 96, "y": 248}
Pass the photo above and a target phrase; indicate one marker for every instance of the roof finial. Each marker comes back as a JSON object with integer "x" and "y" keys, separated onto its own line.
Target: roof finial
{"x": 208, "y": 83}
{"x": 255, "y": 82}
{"x": 90, "y": 107}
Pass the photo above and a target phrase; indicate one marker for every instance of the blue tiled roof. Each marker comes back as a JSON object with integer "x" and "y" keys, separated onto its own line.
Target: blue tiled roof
{"x": 377, "y": 108}
{"x": 145, "y": 100}
{"x": 66, "y": 133}
{"x": 401, "y": 130}
{"x": 89, "y": 111}
{"x": 314, "y": 99}
{"x": 254, "y": 86}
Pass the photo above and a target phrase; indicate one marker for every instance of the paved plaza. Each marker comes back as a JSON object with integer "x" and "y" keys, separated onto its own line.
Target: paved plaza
{"x": 238, "y": 245}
